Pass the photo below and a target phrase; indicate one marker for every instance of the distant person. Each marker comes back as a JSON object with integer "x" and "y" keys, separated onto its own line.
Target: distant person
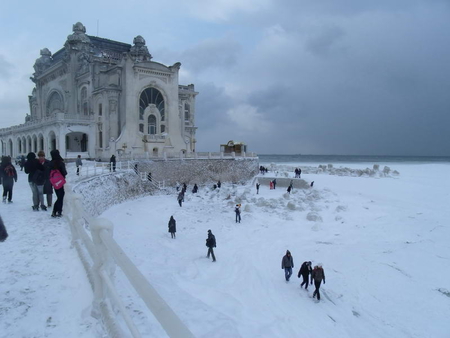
{"x": 180, "y": 198}
{"x": 57, "y": 165}
{"x": 22, "y": 162}
{"x": 287, "y": 263}
{"x": 136, "y": 170}
{"x": 237, "y": 210}
{"x": 317, "y": 275}
{"x": 274, "y": 183}
{"x": 3, "y": 232}
{"x": 112, "y": 163}
{"x": 305, "y": 271}
{"x": 211, "y": 244}
{"x": 195, "y": 189}
{"x": 48, "y": 188}
{"x": 172, "y": 226}
{"x": 289, "y": 189}
{"x": 79, "y": 164}
{"x": 299, "y": 173}
{"x": 257, "y": 188}
{"x": 219, "y": 184}
{"x": 312, "y": 183}
{"x": 8, "y": 175}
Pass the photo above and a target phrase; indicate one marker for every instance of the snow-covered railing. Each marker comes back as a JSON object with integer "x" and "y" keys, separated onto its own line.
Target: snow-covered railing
{"x": 103, "y": 255}
{"x": 187, "y": 155}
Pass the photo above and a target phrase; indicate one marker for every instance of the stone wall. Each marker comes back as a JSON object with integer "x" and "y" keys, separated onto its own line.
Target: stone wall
{"x": 201, "y": 171}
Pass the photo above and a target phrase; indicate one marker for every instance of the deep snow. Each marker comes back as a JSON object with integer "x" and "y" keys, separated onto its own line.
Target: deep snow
{"x": 383, "y": 243}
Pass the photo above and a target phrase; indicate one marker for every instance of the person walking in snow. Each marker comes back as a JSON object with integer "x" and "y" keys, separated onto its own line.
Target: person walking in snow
{"x": 180, "y": 198}
{"x": 3, "y": 232}
{"x": 48, "y": 188}
{"x": 257, "y": 188}
{"x": 79, "y": 164}
{"x": 36, "y": 180}
{"x": 8, "y": 175}
{"x": 317, "y": 275}
{"x": 57, "y": 163}
{"x": 211, "y": 244}
{"x": 237, "y": 210}
{"x": 172, "y": 226}
{"x": 305, "y": 271}
{"x": 219, "y": 184}
{"x": 112, "y": 163}
{"x": 287, "y": 263}
{"x": 274, "y": 183}
{"x": 195, "y": 189}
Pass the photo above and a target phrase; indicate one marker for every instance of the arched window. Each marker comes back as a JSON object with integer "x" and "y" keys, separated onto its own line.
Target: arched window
{"x": 152, "y": 125}
{"x": 151, "y": 96}
{"x": 54, "y": 103}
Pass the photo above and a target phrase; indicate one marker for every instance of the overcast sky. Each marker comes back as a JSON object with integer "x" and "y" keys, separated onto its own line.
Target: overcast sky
{"x": 287, "y": 77}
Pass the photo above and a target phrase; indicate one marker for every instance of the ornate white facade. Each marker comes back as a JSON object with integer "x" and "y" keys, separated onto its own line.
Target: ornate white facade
{"x": 97, "y": 97}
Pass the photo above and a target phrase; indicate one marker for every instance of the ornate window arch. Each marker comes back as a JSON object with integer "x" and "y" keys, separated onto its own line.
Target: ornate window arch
{"x": 151, "y": 111}
{"x": 54, "y": 103}
{"x": 84, "y": 101}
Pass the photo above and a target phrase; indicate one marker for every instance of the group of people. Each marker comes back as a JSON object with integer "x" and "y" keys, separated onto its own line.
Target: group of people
{"x": 306, "y": 271}
{"x": 298, "y": 172}
{"x": 263, "y": 170}
{"x": 44, "y": 176}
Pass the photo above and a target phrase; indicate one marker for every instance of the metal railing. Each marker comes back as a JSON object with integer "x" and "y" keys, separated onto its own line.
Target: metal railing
{"x": 100, "y": 255}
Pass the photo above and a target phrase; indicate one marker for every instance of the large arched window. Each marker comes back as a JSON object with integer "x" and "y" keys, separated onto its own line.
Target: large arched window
{"x": 54, "y": 103}
{"x": 151, "y": 96}
{"x": 151, "y": 124}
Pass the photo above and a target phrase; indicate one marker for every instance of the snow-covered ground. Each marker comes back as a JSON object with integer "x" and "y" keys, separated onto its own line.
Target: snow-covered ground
{"x": 383, "y": 243}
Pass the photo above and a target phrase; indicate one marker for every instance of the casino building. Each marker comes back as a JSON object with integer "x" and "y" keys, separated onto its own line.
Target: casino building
{"x": 97, "y": 97}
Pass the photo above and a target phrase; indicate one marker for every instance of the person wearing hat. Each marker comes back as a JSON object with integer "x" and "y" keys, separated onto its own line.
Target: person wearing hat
{"x": 287, "y": 263}
{"x": 305, "y": 271}
{"x": 211, "y": 244}
{"x": 317, "y": 275}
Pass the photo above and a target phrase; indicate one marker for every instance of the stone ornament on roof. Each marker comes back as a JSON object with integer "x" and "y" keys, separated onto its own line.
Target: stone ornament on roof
{"x": 139, "y": 51}
{"x": 44, "y": 62}
{"x": 79, "y": 35}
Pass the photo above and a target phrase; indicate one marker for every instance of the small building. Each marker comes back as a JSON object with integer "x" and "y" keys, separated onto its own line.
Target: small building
{"x": 233, "y": 146}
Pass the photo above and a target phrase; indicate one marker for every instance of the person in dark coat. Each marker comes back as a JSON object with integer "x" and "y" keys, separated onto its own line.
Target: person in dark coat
{"x": 8, "y": 175}
{"x": 211, "y": 244}
{"x": 112, "y": 163}
{"x": 274, "y": 183}
{"x": 57, "y": 163}
{"x": 317, "y": 275}
{"x": 257, "y": 188}
{"x": 48, "y": 188}
{"x": 237, "y": 210}
{"x": 312, "y": 184}
{"x": 305, "y": 271}
{"x": 3, "y": 232}
{"x": 22, "y": 162}
{"x": 287, "y": 263}
{"x": 219, "y": 184}
{"x": 289, "y": 189}
{"x": 195, "y": 189}
{"x": 36, "y": 179}
{"x": 172, "y": 226}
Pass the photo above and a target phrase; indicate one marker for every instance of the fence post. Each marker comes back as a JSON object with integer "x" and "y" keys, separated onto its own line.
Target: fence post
{"x": 101, "y": 261}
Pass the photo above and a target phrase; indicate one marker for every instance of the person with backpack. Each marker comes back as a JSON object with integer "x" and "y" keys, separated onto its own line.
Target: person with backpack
{"x": 48, "y": 188}
{"x": 79, "y": 164}
{"x": 36, "y": 179}
{"x": 305, "y": 271}
{"x": 317, "y": 275}
{"x": 57, "y": 177}
{"x": 211, "y": 244}
{"x": 172, "y": 226}
{"x": 8, "y": 175}
{"x": 287, "y": 263}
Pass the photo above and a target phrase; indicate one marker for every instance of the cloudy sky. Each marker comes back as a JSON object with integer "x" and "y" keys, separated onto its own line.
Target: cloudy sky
{"x": 287, "y": 76}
